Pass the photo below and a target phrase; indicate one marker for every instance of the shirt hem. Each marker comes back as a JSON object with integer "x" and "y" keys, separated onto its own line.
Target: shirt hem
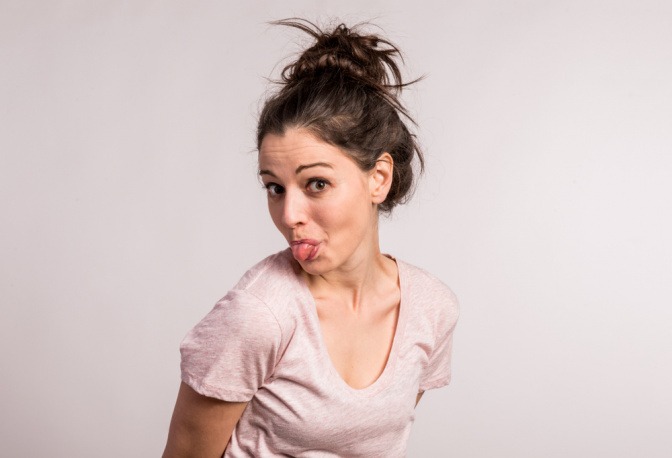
{"x": 211, "y": 391}
{"x": 435, "y": 384}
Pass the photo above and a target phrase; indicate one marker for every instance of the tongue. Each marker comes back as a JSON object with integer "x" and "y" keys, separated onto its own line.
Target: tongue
{"x": 302, "y": 251}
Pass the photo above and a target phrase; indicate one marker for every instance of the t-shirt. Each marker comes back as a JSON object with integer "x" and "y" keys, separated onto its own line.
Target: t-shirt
{"x": 263, "y": 343}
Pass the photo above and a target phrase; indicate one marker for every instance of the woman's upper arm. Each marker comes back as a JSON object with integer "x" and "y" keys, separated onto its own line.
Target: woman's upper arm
{"x": 201, "y": 426}
{"x": 417, "y": 398}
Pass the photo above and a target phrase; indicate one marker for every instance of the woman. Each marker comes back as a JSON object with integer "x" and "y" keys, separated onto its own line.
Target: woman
{"x": 324, "y": 348}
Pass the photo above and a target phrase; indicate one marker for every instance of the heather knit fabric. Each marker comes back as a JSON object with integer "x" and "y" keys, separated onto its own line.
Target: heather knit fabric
{"x": 262, "y": 343}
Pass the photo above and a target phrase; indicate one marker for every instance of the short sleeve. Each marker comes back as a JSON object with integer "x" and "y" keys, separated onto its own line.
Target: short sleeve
{"x": 437, "y": 373}
{"x": 231, "y": 352}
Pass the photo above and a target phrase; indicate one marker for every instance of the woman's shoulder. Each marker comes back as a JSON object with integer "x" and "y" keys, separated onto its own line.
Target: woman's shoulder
{"x": 271, "y": 271}
{"x": 424, "y": 281}
{"x": 258, "y": 300}
{"x": 427, "y": 290}
{"x": 273, "y": 281}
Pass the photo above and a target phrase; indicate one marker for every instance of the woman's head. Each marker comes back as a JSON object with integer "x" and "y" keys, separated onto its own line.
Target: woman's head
{"x": 321, "y": 201}
{"x": 343, "y": 90}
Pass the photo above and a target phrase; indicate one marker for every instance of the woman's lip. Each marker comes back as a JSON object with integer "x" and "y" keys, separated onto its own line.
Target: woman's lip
{"x": 305, "y": 249}
{"x": 308, "y": 241}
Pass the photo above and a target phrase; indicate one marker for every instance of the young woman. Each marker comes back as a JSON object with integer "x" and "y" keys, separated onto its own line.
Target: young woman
{"x": 324, "y": 348}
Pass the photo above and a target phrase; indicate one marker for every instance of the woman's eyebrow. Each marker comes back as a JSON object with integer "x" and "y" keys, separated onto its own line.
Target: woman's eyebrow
{"x": 316, "y": 164}
{"x": 299, "y": 168}
{"x": 267, "y": 172}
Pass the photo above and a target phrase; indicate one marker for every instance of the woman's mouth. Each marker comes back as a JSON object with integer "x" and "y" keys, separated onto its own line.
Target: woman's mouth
{"x": 305, "y": 250}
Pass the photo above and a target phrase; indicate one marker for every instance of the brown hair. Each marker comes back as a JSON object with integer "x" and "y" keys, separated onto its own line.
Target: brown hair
{"x": 344, "y": 90}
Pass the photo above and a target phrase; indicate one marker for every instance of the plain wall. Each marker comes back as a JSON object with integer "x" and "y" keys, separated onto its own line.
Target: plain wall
{"x": 129, "y": 206}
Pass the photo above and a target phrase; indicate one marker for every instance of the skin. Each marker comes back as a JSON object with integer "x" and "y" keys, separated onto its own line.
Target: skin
{"x": 316, "y": 191}
{"x": 201, "y": 426}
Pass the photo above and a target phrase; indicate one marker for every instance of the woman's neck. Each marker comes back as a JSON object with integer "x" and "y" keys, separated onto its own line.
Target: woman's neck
{"x": 366, "y": 275}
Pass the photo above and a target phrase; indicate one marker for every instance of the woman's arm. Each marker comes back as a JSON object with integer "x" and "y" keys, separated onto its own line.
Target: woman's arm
{"x": 201, "y": 426}
{"x": 417, "y": 398}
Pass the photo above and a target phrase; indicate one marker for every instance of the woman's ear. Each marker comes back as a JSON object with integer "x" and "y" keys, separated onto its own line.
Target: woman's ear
{"x": 380, "y": 178}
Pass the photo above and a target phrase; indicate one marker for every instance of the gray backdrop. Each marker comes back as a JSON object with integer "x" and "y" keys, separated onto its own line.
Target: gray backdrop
{"x": 129, "y": 206}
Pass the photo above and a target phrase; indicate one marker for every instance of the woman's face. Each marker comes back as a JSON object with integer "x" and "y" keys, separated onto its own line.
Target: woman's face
{"x": 319, "y": 199}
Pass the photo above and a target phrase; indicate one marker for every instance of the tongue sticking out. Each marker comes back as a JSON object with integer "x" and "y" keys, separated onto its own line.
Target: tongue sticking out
{"x": 303, "y": 251}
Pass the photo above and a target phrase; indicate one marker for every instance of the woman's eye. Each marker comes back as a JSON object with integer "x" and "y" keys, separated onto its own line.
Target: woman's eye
{"x": 317, "y": 185}
{"x": 273, "y": 189}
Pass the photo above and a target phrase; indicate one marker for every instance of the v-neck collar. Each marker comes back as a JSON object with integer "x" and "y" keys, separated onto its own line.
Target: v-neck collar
{"x": 383, "y": 379}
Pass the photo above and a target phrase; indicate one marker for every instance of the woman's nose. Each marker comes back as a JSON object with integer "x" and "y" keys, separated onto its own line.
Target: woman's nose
{"x": 293, "y": 209}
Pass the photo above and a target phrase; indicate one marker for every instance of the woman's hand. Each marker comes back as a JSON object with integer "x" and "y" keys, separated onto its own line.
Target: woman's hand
{"x": 201, "y": 426}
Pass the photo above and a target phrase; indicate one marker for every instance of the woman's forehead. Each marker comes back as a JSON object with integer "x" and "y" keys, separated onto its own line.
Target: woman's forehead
{"x": 296, "y": 147}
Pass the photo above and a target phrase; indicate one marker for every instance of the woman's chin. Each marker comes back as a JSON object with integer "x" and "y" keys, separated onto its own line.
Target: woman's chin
{"x": 312, "y": 267}
{"x": 317, "y": 266}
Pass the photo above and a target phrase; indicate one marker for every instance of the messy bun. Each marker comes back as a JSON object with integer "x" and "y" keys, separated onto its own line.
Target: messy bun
{"x": 344, "y": 89}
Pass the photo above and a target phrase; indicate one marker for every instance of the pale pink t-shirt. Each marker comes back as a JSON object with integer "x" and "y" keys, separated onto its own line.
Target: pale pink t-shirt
{"x": 263, "y": 343}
